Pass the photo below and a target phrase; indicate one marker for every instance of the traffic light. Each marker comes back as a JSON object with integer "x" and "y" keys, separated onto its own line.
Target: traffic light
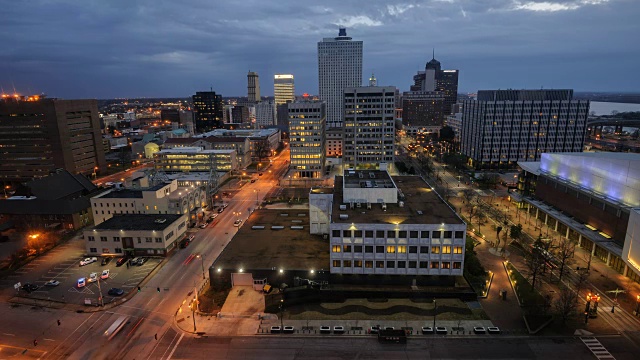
{"x": 158, "y": 289}
{"x": 139, "y": 289}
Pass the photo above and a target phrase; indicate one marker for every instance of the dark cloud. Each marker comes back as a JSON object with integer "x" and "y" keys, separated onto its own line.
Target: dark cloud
{"x": 119, "y": 48}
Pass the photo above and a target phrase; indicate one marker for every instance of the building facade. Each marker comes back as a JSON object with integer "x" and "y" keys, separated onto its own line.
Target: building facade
{"x": 307, "y": 121}
{"x": 591, "y": 199}
{"x": 133, "y": 235}
{"x": 253, "y": 87}
{"x": 40, "y": 135}
{"x": 208, "y": 110}
{"x": 190, "y": 159}
{"x": 369, "y": 127}
{"x": 339, "y": 67}
{"x": 265, "y": 113}
{"x": 283, "y": 89}
{"x": 433, "y": 78}
{"x": 520, "y": 125}
{"x": 334, "y": 142}
{"x": 422, "y": 111}
{"x": 376, "y": 228}
{"x": 166, "y": 198}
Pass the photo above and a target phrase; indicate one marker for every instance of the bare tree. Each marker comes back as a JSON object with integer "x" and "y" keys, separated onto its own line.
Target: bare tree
{"x": 261, "y": 149}
{"x": 587, "y": 256}
{"x": 566, "y": 303}
{"x": 536, "y": 262}
{"x": 564, "y": 251}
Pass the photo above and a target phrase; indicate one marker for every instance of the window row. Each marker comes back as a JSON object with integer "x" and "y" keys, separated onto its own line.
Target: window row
{"x": 414, "y": 234}
{"x": 393, "y": 249}
{"x": 391, "y": 264}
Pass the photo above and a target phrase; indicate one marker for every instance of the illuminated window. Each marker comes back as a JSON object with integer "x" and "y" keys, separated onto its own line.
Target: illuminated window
{"x": 402, "y": 249}
{"x": 435, "y": 265}
{"x": 391, "y": 249}
{"x": 457, "y": 249}
{"x": 446, "y": 249}
{"x": 336, "y": 248}
{"x": 336, "y": 263}
{"x": 435, "y": 249}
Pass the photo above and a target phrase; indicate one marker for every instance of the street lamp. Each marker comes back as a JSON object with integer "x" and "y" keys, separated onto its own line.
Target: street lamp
{"x": 435, "y": 311}
{"x": 257, "y": 193}
{"x": 201, "y": 264}
{"x": 281, "y": 320}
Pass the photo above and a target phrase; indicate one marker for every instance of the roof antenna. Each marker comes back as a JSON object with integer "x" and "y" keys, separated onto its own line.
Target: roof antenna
{"x": 433, "y": 56}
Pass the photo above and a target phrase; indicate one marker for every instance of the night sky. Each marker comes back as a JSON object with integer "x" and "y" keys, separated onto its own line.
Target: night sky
{"x": 160, "y": 48}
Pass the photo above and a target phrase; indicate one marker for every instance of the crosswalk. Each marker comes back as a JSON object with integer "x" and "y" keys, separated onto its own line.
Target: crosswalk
{"x": 597, "y": 348}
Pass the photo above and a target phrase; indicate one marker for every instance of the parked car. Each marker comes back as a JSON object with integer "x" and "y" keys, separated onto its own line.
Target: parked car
{"x": 105, "y": 261}
{"x": 115, "y": 292}
{"x": 121, "y": 261}
{"x": 427, "y": 330}
{"x": 275, "y": 329}
{"x": 93, "y": 277}
{"x": 202, "y": 226}
{"x": 374, "y": 330}
{"x": 28, "y": 287}
{"x": 479, "y": 330}
{"x": 134, "y": 261}
{"x": 338, "y": 329}
{"x": 184, "y": 243}
{"x": 287, "y": 329}
{"x": 441, "y": 330}
{"x": 82, "y": 282}
{"x": 220, "y": 210}
{"x": 237, "y": 223}
{"x": 142, "y": 261}
{"x": 105, "y": 274}
{"x": 253, "y": 180}
{"x": 260, "y": 174}
{"x": 88, "y": 261}
{"x": 52, "y": 283}
{"x": 493, "y": 330}
{"x": 325, "y": 329}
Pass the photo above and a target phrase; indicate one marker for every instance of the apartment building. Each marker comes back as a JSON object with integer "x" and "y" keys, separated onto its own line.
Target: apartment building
{"x": 334, "y": 142}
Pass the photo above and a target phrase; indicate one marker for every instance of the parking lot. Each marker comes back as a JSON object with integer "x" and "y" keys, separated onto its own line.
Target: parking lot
{"x": 63, "y": 264}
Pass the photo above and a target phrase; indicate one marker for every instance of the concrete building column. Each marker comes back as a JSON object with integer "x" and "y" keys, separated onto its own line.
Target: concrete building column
{"x": 556, "y": 227}
{"x": 537, "y": 212}
{"x": 625, "y": 272}
{"x": 566, "y": 235}
{"x": 608, "y": 258}
{"x": 593, "y": 248}
{"x": 579, "y": 240}
{"x": 546, "y": 216}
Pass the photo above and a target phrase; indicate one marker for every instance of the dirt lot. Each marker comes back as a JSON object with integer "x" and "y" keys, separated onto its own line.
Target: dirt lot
{"x": 392, "y": 309}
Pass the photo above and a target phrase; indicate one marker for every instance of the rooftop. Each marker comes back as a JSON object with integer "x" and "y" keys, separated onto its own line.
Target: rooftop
{"x": 321, "y": 190}
{"x": 366, "y": 179}
{"x": 123, "y": 193}
{"x": 421, "y": 205}
{"x": 192, "y": 150}
{"x": 139, "y": 222}
{"x": 268, "y": 248}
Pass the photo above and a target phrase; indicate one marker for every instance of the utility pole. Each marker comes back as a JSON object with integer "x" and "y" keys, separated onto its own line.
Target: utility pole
{"x": 100, "y": 290}
{"x": 435, "y": 311}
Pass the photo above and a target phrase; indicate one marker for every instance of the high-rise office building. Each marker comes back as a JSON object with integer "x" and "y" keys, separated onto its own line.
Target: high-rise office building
{"x": 369, "y": 127}
{"x": 339, "y": 67}
{"x": 209, "y": 110}
{"x": 436, "y": 79}
{"x": 253, "y": 87}
{"x": 422, "y": 111}
{"x": 283, "y": 88}
{"x": 503, "y": 127}
{"x": 38, "y": 136}
{"x": 307, "y": 137}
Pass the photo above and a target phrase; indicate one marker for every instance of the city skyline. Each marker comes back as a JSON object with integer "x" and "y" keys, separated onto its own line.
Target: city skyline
{"x": 73, "y": 50}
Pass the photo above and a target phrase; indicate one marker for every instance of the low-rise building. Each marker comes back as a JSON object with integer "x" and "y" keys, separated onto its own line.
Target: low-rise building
{"x": 159, "y": 199}
{"x": 381, "y": 225}
{"x": 195, "y": 159}
{"x": 333, "y": 137}
{"x": 55, "y": 202}
{"x": 139, "y": 234}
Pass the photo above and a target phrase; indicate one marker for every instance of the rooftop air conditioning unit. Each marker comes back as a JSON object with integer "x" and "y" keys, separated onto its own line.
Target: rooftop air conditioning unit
{"x": 368, "y": 206}
{"x": 344, "y": 216}
{"x": 358, "y": 205}
{"x": 160, "y": 221}
{"x": 401, "y": 203}
{"x": 384, "y": 207}
{"x": 343, "y": 207}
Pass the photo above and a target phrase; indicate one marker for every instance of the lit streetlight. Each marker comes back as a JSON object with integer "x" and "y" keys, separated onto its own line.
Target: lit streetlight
{"x": 201, "y": 264}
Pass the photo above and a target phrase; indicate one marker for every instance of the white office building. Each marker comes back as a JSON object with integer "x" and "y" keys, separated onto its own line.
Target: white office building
{"x": 339, "y": 67}
{"x": 369, "y": 127}
{"x": 283, "y": 89}
{"x": 265, "y": 113}
{"x": 381, "y": 225}
{"x": 190, "y": 159}
{"x": 307, "y": 137}
{"x": 506, "y": 126}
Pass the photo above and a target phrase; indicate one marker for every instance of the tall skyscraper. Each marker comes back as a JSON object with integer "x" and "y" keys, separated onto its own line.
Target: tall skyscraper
{"x": 38, "y": 136}
{"x": 283, "y": 88}
{"x": 209, "y": 110}
{"x": 436, "y": 79}
{"x": 369, "y": 133}
{"x": 339, "y": 67}
{"x": 503, "y": 127}
{"x": 253, "y": 87}
{"x": 307, "y": 137}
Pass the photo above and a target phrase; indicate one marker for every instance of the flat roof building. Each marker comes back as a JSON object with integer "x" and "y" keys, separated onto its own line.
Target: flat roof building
{"x": 195, "y": 159}
{"x": 307, "y": 120}
{"x": 146, "y": 235}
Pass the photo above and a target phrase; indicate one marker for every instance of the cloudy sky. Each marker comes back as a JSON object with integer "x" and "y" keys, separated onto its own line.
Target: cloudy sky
{"x": 154, "y": 48}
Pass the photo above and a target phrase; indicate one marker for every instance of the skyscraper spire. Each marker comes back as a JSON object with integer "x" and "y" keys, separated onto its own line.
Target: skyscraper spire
{"x": 373, "y": 81}
{"x": 433, "y": 56}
